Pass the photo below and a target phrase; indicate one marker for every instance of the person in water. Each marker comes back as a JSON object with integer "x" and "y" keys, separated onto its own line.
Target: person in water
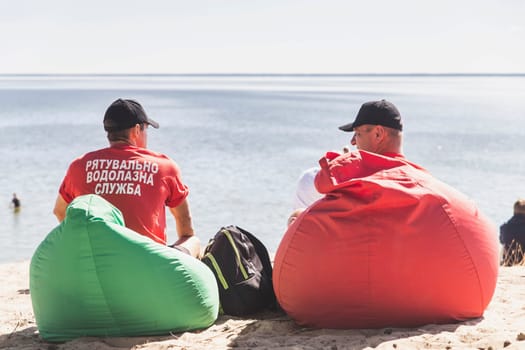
{"x": 15, "y": 202}
{"x": 512, "y": 236}
{"x": 138, "y": 181}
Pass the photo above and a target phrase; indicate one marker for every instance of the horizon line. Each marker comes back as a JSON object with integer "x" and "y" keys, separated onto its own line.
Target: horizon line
{"x": 495, "y": 74}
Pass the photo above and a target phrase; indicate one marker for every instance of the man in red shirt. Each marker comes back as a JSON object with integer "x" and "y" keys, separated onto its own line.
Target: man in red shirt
{"x": 377, "y": 129}
{"x": 139, "y": 182}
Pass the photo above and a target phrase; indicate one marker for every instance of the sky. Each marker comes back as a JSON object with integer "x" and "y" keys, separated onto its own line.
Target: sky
{"x": 262, "y": 36}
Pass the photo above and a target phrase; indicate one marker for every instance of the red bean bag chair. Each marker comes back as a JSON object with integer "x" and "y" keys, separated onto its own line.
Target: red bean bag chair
{"x": 388, "y": 246}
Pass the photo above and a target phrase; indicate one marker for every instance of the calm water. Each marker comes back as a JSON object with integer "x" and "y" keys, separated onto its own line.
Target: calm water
{"x": 242, "y": 141}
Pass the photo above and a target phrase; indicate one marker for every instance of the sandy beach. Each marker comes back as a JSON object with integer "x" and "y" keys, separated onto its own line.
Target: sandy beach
{"x": 502, "y": 326}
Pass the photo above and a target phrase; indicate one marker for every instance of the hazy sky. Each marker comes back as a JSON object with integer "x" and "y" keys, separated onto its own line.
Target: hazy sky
{"x": 266, "y": 36}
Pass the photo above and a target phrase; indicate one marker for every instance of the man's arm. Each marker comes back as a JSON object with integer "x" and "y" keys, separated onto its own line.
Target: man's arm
{"x": 187, "y": 238}
{"x": 182, "y": 216}
{"x": 60, "y": 208}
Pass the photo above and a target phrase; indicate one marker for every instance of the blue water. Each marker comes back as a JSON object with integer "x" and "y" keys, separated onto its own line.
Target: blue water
{"x": 242, "y": 141}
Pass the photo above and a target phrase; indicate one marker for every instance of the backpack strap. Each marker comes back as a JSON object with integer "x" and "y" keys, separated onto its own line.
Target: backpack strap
{"x": 228, "y": 235}
{"x": 218, "y": 270}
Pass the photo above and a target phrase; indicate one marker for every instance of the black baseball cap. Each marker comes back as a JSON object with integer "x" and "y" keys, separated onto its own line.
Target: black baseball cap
{"x": 376, "y": 113}
{"x": 124, "y": 114}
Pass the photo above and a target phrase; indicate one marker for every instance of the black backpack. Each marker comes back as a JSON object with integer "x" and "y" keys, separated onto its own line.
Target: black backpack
{"x": 242, "y": 267}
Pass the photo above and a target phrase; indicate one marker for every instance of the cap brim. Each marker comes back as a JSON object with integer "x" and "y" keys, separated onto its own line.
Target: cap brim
{"x": 347, "y": 127}
{"x": 153, "y": 123}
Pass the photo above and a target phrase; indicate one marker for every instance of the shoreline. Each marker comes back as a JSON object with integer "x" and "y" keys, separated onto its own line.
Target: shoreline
{"x": 502, "y": 326}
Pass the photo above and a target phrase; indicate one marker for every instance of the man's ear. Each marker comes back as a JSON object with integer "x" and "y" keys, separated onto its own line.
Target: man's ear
{"x": 379, "y": 132}
{"x": 136, "y": 130}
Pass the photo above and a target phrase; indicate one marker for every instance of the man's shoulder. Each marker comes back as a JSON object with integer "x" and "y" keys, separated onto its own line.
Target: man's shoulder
{"x": 516, "y": 220}
{"x": 90, "y": 155}
{"x": 154, "y": 154}
{"x": 164, "y": 161}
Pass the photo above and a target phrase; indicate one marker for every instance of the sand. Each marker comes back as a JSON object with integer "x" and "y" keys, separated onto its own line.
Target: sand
{"x": 502, "y": 326}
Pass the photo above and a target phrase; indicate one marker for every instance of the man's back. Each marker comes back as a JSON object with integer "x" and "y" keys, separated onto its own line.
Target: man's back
{"x": 136, "y": 180}
{"x": 512, "y": 236}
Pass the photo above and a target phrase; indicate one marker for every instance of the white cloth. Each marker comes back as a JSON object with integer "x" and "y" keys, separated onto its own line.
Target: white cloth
{"x": 306, "y": 193}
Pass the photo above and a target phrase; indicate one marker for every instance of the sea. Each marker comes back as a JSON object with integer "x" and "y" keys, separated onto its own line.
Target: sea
{"x": 242, "y": 141}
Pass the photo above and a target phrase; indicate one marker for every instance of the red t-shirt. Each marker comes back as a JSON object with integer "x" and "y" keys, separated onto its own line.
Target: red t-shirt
{"x": 139, "y": 182}
{"x": 337, "y": 170}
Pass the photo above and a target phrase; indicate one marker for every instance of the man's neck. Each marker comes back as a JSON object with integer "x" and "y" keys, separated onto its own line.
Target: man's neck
{"x": 121, "y": 143}
{"x": 392, "y": 154}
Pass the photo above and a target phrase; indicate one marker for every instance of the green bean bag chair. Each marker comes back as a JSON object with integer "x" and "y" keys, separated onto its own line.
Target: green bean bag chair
{"x": 92, "y": 276}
